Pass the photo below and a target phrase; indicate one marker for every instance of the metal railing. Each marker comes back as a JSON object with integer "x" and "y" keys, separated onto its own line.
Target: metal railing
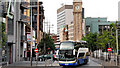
{"x": 25, "y": 4}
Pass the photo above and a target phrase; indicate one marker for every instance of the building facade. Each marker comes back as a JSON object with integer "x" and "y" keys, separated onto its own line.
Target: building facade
{"x": 64, "y": 17}
{"x": 54, "y": 37}
{"x": 61, "y": 34}
{"x": 18, "y": 19}
{"x": 15, "y": 21}
{"x": 70, "y": 31}
{"x": 13, "y": 30}
{"x": 96, "y": 25}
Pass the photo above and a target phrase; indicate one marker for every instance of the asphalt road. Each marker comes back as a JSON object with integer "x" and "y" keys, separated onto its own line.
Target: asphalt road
{"x": 49, "y": 63}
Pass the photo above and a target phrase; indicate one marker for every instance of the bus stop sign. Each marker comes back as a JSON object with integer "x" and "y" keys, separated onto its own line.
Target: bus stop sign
{"x": 109, "y": 49}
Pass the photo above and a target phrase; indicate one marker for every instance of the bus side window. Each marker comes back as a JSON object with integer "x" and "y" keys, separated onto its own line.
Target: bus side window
{"x": 75, "y": 54}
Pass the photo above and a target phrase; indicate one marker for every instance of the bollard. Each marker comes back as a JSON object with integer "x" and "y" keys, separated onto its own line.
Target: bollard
{"x": 45, "y": 62}
{"x": 117, "y": 60}
{"x": 7, "y": 63}
{"x": 51, "y": 62}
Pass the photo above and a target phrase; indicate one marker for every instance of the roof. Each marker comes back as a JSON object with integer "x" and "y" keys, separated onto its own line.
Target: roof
{"x": 64, "y": 7}
{"x": 78, "y": 41}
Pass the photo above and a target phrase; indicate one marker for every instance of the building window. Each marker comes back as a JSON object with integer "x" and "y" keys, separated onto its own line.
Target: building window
{"x": 72, "y": 22}
{"x": 10, "y": 27}
{"x": 87, "y": 29}
{"x": 98, "y": 20}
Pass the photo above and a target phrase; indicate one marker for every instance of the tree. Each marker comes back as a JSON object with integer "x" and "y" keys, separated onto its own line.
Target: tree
{"x": 113, "y": 28}
{"x": 103, "y": 40}
{"x": 4, "y": 38}
{"x": 91, "y": 39}
{"x": 49, "y": 44}
{"x": 108, "y": 36}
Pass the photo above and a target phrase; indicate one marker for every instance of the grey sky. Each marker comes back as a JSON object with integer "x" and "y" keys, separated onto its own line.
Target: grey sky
{"x": 93, "y": 8}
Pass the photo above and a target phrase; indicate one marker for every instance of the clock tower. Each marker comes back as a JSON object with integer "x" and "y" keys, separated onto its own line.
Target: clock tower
{"x": 77, "y": 21}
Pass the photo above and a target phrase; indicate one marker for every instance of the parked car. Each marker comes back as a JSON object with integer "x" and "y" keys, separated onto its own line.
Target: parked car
{"x": 41, "y": 58}
{"x": 45, "y": 57}
{"x": 48, "y": 56}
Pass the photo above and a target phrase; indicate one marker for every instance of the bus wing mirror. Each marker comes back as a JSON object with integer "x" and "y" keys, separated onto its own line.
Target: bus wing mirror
{"x": 74, "y": 52}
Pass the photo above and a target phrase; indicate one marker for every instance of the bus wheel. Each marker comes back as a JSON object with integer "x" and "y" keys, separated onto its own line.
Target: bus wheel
{"x": 85, "y": 61}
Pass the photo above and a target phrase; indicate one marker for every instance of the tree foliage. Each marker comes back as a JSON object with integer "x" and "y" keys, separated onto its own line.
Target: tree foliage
{"x": 4, "y": 38}
{"x": 103, "y": 40}
{"x": 49, "y": 44}
{"x": 91, "y": 40}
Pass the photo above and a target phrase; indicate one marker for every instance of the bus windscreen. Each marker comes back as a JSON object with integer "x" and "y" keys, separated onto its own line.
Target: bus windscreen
{"x": 64, "y": 46}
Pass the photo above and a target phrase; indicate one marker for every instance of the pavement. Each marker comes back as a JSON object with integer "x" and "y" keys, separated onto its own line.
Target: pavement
{"x": 102, "y": 62}
{"x": 35, "y": 63}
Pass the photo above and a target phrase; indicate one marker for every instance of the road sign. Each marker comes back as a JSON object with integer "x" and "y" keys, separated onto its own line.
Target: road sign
{"x": 109, "y": 49}
{"x": 36, "y": 50}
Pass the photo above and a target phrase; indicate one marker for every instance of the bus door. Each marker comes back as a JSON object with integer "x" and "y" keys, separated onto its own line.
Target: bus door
{"x": 80, "y": 57}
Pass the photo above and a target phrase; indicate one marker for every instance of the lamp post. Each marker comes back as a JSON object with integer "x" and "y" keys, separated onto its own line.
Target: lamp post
{"x": 117, "y": 44}
{"x": 31, "y": 38}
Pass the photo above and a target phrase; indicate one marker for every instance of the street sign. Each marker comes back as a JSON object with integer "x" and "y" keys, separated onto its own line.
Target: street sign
{"x": 28, "y": 37}
{"x": 36, "y": 50}
{"x": 109, "y": 49}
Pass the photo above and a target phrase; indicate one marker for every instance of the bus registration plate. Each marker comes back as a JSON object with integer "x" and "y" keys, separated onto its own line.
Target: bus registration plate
{"x": 66, "y": 64}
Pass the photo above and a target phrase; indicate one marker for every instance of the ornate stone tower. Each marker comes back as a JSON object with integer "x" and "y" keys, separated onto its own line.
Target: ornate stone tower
{"x": 77, "y": 21}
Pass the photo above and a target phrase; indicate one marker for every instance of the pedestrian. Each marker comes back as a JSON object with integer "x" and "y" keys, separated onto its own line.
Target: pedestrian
{"x": 109, "y": 57}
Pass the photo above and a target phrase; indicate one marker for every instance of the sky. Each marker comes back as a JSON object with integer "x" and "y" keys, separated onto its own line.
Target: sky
{"x": 93, "y": 8}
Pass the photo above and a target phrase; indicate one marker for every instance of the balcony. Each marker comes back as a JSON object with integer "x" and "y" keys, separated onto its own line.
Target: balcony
{"x": 24, "y": 4}
{"x": 5, "y": 10}
{"x": 25, "y": 18}
{"x": 35, "y": 13}
{"x": 23, "y": 38}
